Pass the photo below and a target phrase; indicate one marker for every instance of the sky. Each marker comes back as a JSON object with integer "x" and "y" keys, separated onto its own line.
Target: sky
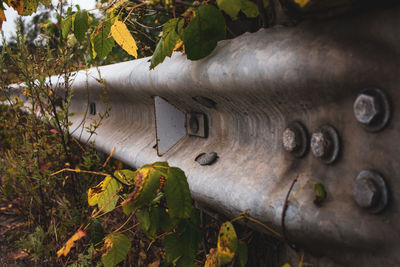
{"x": 10, "y": 26}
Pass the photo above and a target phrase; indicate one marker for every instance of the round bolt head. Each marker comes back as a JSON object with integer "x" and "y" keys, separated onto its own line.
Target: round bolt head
{"x": 366, "y": 108}
{"x": 206, "y": 158}
{"x": 291, "y": 140}
{"x": 365, "y": 193}
{"x": 320, "y": 144}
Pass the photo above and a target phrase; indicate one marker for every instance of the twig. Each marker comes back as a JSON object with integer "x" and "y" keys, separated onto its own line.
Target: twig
{"x": 285, "y": 205}
{"x": 109, "y": 157}
{"x": 78, "y": 170}
{"x": 244, "y": 216}
{"x": 263, "y": 15}
{"x": 301, "y": 259}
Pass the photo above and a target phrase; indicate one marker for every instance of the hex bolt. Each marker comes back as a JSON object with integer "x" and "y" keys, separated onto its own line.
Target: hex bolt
{"x": 370, "y": 191}
{"x": 325, "y": 144}
{"x": 365, "y": 193}
{"x": 372, "y": 109}
{"x": 366, "y": 108}
{"x": 320, "y": 144}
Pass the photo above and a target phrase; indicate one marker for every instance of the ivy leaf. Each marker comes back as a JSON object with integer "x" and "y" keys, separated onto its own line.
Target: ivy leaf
{"x": 116, "y": 247}
{"x": 181, "y": 247}
{"x": 302, "y": 3}
{"x": 203, "y": 32}
{"x": 66, "y": 25}
{"x": 170, "y": 37}
{"x": 242, "y": 252}
{"x": 230, "y": 7}
{"x": 177, "y": 194}
{"x": 250, "y": 9}
{"x": 102, "y": 43}
{"x": 104, "y": 194}
{"x": 70, "y": 243}
{"x": 123, "y": 37}
{"x": 320, "y": 193}
{"x": 81, "y": 24}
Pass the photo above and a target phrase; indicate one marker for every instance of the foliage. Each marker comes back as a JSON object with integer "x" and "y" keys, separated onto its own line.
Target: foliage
{"x": 160, "y": 198}
{"x": 190, "y": 27}
{"x": 228, "y": 247}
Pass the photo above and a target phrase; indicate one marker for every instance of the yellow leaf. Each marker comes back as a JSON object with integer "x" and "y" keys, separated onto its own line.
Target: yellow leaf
{"x": 116, "y": 5}
{"x": 18, "y": 6}
{"x": 70, "y": 243}
{"x": 123, "y": 37}
{"x": 2, "y": 17}
{"x": 301, "y": 3}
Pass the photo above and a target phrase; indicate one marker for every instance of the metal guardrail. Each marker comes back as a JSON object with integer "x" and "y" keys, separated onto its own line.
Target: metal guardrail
{"x": 316, "y": 101}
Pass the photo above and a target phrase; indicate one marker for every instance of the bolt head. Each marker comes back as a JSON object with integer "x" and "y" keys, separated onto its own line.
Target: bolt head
{"x": 320, "y": 144}
{"x": 366, "y": 193}
{"x": 291, "y": 140}
{"x": 366, "y": 108}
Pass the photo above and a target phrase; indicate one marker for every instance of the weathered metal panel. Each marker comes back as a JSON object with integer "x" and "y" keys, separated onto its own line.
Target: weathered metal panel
{"x": 260, "y": 83}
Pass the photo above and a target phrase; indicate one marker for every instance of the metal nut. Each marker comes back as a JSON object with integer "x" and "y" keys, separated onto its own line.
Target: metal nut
{"x": 366, "y": 108}
{"x": 193, "y": 124}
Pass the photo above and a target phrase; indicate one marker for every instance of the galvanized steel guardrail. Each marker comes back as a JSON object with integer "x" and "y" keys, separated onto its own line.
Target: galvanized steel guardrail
{"x": 316, "y": 101}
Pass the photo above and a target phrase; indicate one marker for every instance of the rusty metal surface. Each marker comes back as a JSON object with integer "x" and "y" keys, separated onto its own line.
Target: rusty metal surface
{"x": 260, "y": 83}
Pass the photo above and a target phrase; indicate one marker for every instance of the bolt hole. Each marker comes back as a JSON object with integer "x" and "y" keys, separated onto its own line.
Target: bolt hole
{"x": 92, "y": 108}
{"x": 205, "y": 101}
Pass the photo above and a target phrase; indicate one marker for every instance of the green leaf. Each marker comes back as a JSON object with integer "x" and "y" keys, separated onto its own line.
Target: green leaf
{"x": 66, "y": 25}
{"x": 286, "y": 265}
{"x": 116, "y": 247}
{"x": 170, "y": 37}
{"x": 177, "y": 194}
{"x": 102, "y": 42}
{"x": 125, "y": 176}
{"x": 96, "y": 232}
{"x": 104, "y": 194}
{"x": 242, "y": 253}
{"x": 250, "y": 9}
{"x": 203, "y": 32}
{"x": 230, "y": 7}
{"x": 81, "y": 24}
{"x": 143, "y": 217}
{"x": 320, "y": 193}
{"x": 181, "y": 247}
{"x": 147, "y": 181}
